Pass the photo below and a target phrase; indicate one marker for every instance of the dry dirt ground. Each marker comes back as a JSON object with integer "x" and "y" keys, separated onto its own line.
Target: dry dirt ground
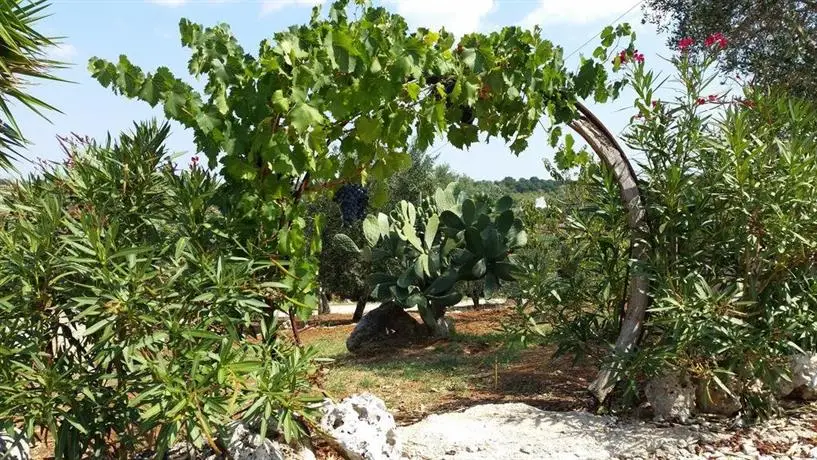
{"x": 474, "y": 367}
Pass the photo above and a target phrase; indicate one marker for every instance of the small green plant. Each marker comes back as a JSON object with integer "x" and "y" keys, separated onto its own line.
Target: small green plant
{"x": 575, "y": 266}
{"x": 428, "y": 249}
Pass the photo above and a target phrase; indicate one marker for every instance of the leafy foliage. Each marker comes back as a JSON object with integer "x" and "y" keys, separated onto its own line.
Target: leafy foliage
{"x": 128, "y": 309}
{"x": 365, "y": 84}
{"x": 22, "y": 56}
{"x": 575, "y": 265}
{"x": 774, "y": 41}
{"x": 344, "y": 274}
{"x": 730, "y": 191}
{"x": 428, "y": 250}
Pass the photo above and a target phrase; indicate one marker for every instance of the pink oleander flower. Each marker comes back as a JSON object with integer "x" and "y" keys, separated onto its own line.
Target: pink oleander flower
{"x": 685, "y": 43}
{"x": 716, "y": 39}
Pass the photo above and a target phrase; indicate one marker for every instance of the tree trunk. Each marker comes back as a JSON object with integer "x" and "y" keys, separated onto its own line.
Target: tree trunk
{"x": 389, "y": 324}
{"x": 607, "y": 148}
{"x": 323, "y": 303}
{"x": 294, "y": 325}
{"x": 359, "y": 308}
{"x": 442, "y": 327}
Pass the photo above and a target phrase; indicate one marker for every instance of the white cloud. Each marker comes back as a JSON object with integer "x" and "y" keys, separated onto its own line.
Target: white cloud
{"x": 62, "y": 52}
{"x": 268, "y": 6}
{"x": 457, "y": 16}
{"x": 170, "y": 3}
{"x": 575, "y": 11}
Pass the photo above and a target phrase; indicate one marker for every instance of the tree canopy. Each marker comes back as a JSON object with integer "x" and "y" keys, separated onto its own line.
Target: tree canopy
{"x": 360, "y": 80}
{"x": 775, "y": 41}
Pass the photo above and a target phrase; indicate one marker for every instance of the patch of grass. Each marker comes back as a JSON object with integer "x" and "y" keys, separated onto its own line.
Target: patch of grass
{"x": 330, "y": 342}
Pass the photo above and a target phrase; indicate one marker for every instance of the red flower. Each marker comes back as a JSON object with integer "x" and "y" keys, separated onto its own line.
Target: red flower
{"x": 716, "y": 39}
{"x": 194, "y": 162}
{"x": 623, "y": 58}
{"x": 685, "y": 43}
{"x": 712, "y": 98}
{"x": 655, "y": 104}
{"x": 700, "y": 101}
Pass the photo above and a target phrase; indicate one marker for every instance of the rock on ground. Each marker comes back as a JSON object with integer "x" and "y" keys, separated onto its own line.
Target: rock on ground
{"x": 361, "y": 428}
{"x": 671, "y": 396}
{"x": 240, "y": 442}
{"x": 804, "y": 376}
{"x": 14, "y": 447}
{"x": 246, "y": 445}
{"x": 386, "y": 322}
{"x": 518, "y": 431}
{"x": 712, "y": 399}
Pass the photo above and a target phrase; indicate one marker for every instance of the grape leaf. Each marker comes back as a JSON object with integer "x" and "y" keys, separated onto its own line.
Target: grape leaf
{"x": 304, "y": 116}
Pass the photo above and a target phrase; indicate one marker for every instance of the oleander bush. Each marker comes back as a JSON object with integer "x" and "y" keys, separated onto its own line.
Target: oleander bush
{"x": 132, "y": 316}
{"x": 730, "y": 187}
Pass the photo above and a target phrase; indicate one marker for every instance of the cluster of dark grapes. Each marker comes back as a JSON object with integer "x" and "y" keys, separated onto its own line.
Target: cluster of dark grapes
{"x": 352, "y": 199}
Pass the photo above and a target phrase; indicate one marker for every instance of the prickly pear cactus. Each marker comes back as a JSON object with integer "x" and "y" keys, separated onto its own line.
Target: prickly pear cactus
{"x": 429, "y": 249}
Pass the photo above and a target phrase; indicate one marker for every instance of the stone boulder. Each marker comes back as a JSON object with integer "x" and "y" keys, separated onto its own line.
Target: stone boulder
{"x": 516, "y": 431}
{"x": 672, "y": 397}
{"x": 245, "y": 443}
{"x": 14, "y": 447}
{"x": 388, "y": 323}
{"x": 361, "y": 428}
{"x": 712, "y": 399}
{"x": 237, "y": 442}
{"x": 803, "y": 377}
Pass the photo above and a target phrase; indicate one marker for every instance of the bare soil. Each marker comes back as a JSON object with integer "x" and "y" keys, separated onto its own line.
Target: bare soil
{"x": 473, "y": 367}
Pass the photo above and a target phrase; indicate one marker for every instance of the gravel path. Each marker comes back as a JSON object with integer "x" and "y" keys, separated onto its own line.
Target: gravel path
{"x": 518, "y": 431}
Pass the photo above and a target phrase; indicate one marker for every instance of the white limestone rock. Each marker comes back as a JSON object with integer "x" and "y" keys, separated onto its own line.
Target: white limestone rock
{"x": 361, "y": 428}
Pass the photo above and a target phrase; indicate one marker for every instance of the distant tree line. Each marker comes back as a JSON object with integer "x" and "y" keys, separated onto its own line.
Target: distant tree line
{"x": 524, "y": 185}
{"x": 508, "y": 185}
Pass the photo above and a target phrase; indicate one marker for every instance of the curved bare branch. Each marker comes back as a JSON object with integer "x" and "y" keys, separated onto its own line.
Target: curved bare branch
{"x": 602, "y": 141}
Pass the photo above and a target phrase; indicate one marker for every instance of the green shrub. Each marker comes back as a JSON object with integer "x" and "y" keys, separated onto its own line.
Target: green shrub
{"x": 342, "y": 275}
{"x": 730, "y": 187}
{"x": 23, "y": 58}
{"x": 128, "y": 308}
{"x": 575, "y": 266}
{"x": 731, "y": 192}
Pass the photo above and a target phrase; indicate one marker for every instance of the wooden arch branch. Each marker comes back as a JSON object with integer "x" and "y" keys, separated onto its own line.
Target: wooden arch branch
{"x": 589, "y": 127}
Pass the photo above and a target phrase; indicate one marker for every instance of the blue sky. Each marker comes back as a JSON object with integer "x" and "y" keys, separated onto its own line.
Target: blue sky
{"x": 147, "y": 32}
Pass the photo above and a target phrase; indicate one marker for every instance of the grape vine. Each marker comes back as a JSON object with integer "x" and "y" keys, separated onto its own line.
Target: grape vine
{"x": 353, "y": 200}
{"x": 366, "y": 84}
